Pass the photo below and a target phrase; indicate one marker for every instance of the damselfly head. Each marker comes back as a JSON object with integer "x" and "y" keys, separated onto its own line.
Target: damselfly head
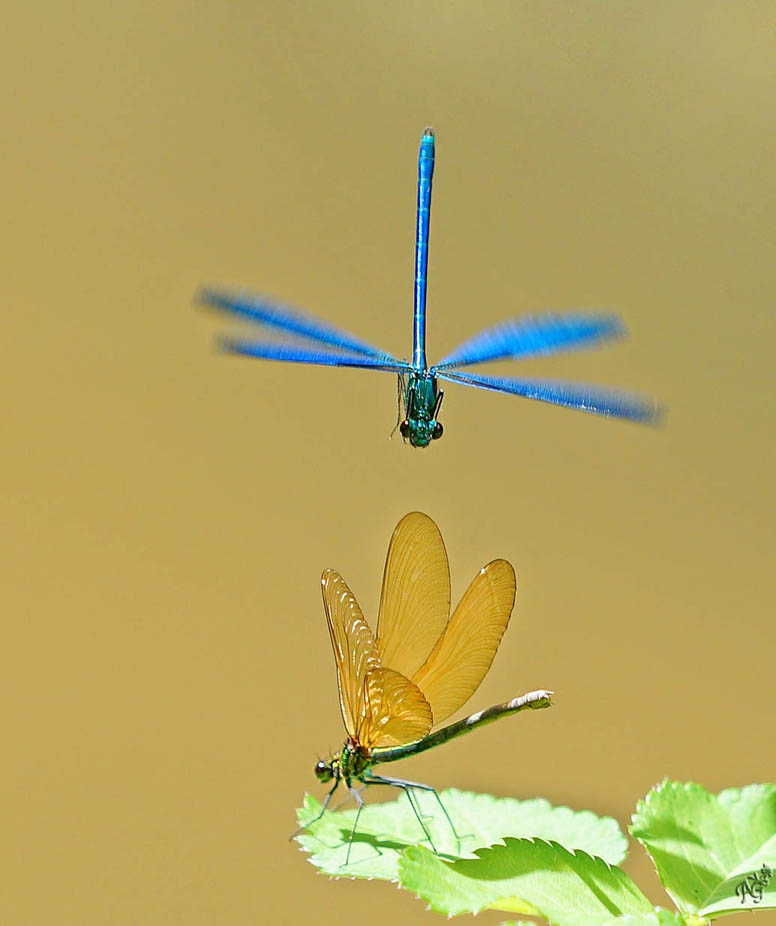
{"x": 324, "y": 770}
{"x": 419, "y": 432}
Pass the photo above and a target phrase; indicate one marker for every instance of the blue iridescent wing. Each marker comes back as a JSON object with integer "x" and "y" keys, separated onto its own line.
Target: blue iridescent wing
{"x": 292, "y": 353}
{"x": 524, "y": 337}
{"x": 599, "y": 401}
{"x": 273, "y": 315}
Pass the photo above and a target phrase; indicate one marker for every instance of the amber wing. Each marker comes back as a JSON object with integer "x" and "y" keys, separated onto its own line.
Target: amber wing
{"x": 464, "y": 653}
{"x": 355, "y": 650}
{"x": 396, "y": 711}
{"x": 415, "y": 597}
{"x": 380, "y": 707}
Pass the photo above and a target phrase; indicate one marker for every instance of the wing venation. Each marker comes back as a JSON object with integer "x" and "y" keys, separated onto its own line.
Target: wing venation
{"x": 395, "y": 710}
{"x": 355, "y": 650}
{"x": 415, "y": 597}
{"x": 464, "y": 653}
{"x": 613, "y": 403}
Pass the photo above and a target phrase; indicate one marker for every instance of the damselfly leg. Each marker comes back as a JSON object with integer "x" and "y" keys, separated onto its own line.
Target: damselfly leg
{"x": 356, "y": 795}
{"x": 401, "y": 402}
{"x": 317, "y": 817}
{"x": 407, "y": 787}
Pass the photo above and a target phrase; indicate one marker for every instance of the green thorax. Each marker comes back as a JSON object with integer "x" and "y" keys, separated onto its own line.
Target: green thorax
{"x": 353, "y": 761}
{"x": 422, "y": 401}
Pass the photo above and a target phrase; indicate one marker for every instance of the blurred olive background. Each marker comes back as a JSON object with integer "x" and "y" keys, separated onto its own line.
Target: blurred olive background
{"x": 168, "y": 510}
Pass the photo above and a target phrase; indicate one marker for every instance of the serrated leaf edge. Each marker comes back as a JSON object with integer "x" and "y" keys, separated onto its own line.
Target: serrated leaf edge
{"x": 552, "y": 844}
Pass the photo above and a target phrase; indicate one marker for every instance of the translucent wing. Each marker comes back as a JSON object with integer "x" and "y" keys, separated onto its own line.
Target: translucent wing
{"x": 463, "y": 654}
{"x": 415, "y": 599}
{"x": 610, "y": 402}
{"x": 271, "y": 314}
{"x": 355, "y": 651}
{"x": 292, "y": 353}
{"x": 528, "y": 337}
{"x": 395, "y": 710}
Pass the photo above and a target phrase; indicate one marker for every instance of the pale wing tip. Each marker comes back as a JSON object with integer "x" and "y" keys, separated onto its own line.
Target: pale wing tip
{"x": 503, "y": 564}
{"x": 209, "y": 295}
{"x": 330, "y": 578}
{"x": 502, "y": 568}
{"x": 419, "y": 521}
{"x": 418, "y": 517}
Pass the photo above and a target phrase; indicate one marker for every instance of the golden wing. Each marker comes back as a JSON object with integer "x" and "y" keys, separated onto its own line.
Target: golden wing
{"x": 355, "y": 651}
{"x": 415, "y": 598}
{"x": 463, "y": 654}
{"x": 395, "y": 710}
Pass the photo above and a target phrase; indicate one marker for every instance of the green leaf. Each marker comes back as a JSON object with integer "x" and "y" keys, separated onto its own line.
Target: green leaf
{"x": 524, "y": 876}
{"x": 385, "y": 830}
{"x": 658, "y": 917}
{"x": 706, "y": 846}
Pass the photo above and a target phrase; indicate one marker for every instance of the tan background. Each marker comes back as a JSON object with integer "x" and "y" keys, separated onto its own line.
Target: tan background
{"x": 168, "y": 511}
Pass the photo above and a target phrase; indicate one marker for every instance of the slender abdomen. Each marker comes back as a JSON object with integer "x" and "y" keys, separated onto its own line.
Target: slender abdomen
{"x": 425, "y": 175}
{"x": 534, "y": 700}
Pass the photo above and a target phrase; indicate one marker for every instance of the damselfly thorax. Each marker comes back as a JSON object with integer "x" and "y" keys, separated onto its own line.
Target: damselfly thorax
{"x": 420, "y": 399}
{"x": 349, "y": 763}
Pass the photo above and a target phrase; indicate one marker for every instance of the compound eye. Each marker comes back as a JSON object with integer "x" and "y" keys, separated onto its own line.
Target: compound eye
{"x": 437, "y": 432}
{"x": 404, "y": 428}
{"x": 321, "y": 770}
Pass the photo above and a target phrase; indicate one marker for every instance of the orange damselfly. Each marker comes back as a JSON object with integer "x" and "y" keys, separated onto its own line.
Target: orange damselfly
{"x": 420, "y": 667}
